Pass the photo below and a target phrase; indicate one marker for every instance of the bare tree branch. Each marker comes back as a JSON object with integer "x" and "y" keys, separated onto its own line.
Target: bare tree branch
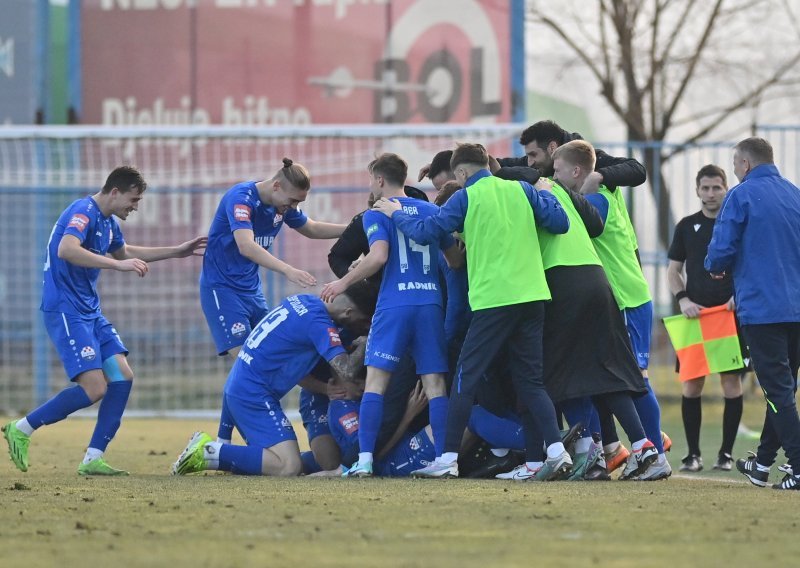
{"x": 624, "y": 26}
{"x": 698, "y": 52}
{"x": 654, "y": 64}
{"x": 792, "y": 17}
{"x": 606, "y": 52}
{"x": 744, "y": 101}
{"x": 607, "y": 89}
{"x": 673, "y": 36}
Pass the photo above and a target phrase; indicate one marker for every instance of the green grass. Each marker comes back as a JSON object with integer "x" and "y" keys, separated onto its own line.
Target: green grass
{"x": 52, "y": 516}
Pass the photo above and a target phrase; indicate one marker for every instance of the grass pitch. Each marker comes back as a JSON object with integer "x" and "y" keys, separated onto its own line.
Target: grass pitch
{"x": 51, "y": 516}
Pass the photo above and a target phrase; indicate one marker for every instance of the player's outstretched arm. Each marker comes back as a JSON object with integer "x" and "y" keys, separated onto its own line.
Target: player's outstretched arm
{"x": 321, "y": 230}
{"x": 449, "y": 218}
{"x": 193, "y": 247}
{"x": 70, "y": 250}
{"x": 249, "y": 249}
{"x": 374, "y": 261}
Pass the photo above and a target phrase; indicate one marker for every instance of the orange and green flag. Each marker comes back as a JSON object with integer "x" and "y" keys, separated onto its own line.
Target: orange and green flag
{"x": 706, "y": 344}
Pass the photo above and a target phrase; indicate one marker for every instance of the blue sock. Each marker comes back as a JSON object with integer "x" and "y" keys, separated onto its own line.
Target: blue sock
{"x": 225, "y": 430}
{"x": 310, "y": 464}
{"x": 650, "y": 415}
{"x": 59, "y": 407}
{"x": 496, "y": 431}
{"x": 437, "y": 413}
{"x": 370, "y": 417}
{"x": 242, "y": 460}
{"x": 594, "y": 422}
{"x": 578, "y": 410}
{"x": 109, "y": 416}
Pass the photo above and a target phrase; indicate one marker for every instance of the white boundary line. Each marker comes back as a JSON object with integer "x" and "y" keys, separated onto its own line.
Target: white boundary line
{"x": 712, "y": 479}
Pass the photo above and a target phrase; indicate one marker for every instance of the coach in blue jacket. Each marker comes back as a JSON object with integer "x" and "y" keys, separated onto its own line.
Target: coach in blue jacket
{"x": 757, "y": 237}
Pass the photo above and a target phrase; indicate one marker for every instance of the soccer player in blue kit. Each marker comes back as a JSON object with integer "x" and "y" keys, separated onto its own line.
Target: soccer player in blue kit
{"x": 281, "y": 350}
{"x": 247, "y": 220}
{"x": 409, "y": 315}
{"x": 85, "y": 239}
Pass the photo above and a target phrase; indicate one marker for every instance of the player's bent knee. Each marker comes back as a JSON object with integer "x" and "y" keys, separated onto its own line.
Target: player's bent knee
{"x": 282, "y": 460}
{"x": 116, "y": 369}
{"x": 288, "y": 467}
{"x": 326, "y": 452}
{"x": 94, "y": 383}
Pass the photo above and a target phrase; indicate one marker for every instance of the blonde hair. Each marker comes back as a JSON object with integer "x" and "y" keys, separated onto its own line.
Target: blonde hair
{"x": 577, "y": 152}
{"x": 296, "y": 174}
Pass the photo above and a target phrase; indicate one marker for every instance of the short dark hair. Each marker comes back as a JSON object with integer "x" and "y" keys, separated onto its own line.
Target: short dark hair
{"x": 364, "y": 295}
{"x": 758, "y": 149}
{"x": 125, "y": 178}
{"x": 296, "y": 174}
{"x": 543, "y": 132}
{"x": 446, "y": 192}
{"x": 440, "y": 163}
{"x": 391, "y": 167}
{"x": 469, "y": 154}
{"x": 711, "y": 170}
{"x": 412, "y": 191}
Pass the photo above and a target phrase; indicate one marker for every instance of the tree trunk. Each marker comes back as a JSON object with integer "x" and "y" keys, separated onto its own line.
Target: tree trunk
{"x": 654, "y": 163}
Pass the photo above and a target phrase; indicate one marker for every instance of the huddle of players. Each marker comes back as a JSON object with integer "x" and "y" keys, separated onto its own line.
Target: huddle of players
{"x": 582, "y": 314}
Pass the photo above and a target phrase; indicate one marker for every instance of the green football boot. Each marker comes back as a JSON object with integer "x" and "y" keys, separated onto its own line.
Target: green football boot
{"x": 191, "y": 459}
{"x": 17, "y": 445}
{"x": 98, "y": 466}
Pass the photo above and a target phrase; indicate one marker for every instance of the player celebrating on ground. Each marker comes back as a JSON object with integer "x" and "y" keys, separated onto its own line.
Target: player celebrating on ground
{"x": 280, "y": 351}
{"x": 90, "y": 348}
{"x": 409, "y": 315}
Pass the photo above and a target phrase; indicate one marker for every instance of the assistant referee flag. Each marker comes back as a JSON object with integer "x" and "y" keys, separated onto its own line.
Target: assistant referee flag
{"x": 706, "y": 344}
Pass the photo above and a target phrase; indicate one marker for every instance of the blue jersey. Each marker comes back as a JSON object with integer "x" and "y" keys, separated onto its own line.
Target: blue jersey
{"x": 240, "y": 208}
{"x": 411, "y": 274}
{"x": 283, "y": 348}
{"x": 72, "y": 289}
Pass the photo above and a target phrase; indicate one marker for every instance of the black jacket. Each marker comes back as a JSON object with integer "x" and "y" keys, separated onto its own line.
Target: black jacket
{"x": 617, "y": 172}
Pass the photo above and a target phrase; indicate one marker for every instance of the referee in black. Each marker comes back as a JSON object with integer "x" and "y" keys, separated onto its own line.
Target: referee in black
{"x": 693, "y": 292}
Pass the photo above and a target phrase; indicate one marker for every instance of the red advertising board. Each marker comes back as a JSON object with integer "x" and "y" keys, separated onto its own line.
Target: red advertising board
{"x": 294, "y": 62}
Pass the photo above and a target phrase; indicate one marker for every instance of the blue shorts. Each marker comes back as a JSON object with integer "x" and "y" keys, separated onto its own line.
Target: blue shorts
{"x": 314, "y": 412}
{"x": 416, "y": 330}
{"x": 82, "y": 344}
{"x": 261, "y": 423}
{"x": 231, "y": 315}
{"x": 343, "y": 424}
{"x": 412, "y": 452}
{"x": 639, "y": 321}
